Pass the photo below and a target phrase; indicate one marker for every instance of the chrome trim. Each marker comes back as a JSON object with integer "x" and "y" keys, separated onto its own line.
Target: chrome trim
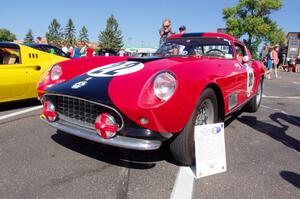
{"x": 117, "y": 141}
{"x": 78, "y": 98}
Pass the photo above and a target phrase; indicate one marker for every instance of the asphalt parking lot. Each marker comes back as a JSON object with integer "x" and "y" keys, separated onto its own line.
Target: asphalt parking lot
{"x": 263, "y": 157}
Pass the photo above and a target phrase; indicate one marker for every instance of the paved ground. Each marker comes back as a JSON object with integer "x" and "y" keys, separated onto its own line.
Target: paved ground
{"x": 263, "y": 157}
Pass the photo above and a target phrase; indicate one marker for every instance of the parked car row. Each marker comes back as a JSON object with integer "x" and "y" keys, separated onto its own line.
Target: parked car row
{"x": 21, "y": 66}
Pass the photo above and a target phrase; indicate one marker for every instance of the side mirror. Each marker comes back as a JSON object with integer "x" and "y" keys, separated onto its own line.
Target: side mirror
{"x": 246, "y": 59}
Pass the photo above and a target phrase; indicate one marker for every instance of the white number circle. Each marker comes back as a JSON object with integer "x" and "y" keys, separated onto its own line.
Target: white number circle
{"x": 116, "y": 69}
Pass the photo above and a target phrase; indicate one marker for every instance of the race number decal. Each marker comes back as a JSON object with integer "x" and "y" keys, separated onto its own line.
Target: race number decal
{"x": 250, "y": 79}
{"x": 116, "y": 69}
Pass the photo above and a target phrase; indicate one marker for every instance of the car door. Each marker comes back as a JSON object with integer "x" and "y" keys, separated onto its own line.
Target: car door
{"x": 246, "y": 72}
{"x": 13, "y": 74}
{"x": 231, "y": 83}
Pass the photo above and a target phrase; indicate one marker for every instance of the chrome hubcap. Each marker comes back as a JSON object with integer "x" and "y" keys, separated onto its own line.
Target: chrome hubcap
{"x": 205, "y": 113}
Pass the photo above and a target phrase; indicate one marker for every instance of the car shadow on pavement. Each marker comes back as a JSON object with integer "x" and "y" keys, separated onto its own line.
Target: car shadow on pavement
{"x": 117, "y": 156}
{"x": 291, "y": 177}
{"x": 275, "y": 132}
{"x": 7, "y": 106}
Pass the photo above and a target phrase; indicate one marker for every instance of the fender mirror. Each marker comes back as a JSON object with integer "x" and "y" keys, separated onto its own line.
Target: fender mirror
{"x": 246, "y": 59}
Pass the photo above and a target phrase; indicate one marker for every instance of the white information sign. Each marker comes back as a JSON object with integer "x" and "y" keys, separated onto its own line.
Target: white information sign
{"x": 210, "y": 149}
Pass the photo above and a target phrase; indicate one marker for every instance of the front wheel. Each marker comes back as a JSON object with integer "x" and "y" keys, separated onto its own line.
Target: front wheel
{"x": 206, "y": 112}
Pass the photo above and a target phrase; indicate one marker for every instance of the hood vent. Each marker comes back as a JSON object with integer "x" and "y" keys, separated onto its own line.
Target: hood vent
{"x": 146, "y": 59}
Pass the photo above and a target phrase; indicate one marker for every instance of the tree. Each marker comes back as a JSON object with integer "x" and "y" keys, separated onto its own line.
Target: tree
{"x": 83, "y": 35}
{"x": 69, "y": 34}
{"x": 111, "y": 39}
{"x": 6, "y": 35}
{"x": 55, "y": 35}
{"x": 250, "y": 20}
{"x": 29, "y": 39}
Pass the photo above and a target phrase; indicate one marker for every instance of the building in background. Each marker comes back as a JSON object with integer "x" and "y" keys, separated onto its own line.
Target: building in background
{"x": 139, "y": 51}
{"x": 293, "y": 45}
{"x": 222, "y": 30}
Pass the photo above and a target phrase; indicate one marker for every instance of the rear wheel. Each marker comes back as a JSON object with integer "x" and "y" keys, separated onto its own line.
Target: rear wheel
{"x": 254, "y": 103}
{"x": 206, "y": 112}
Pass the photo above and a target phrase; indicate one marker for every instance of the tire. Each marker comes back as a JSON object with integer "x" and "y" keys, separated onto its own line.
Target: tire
{"x": 253, "y": 105}
{"x": 183, "y": 147}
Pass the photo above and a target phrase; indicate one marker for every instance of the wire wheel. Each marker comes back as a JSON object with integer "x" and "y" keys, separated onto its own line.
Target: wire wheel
{"x": 205, "y": 113}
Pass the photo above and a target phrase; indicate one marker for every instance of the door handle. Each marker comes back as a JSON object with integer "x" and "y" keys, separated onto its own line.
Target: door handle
{"x": 37, "y": 68}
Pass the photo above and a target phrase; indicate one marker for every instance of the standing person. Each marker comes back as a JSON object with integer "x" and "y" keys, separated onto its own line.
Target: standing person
{"x": 66, "y": 51}
{"x": 89, "y": 51}
{"x": 165, "y": 31}
{"x": 263, "y": 54}
{"x": 76, "y": 53}
{"x": 182, "y": 29}
{"x": 71, "y": 51}
{"x": 83, "y": 51}
{"x": 269, "y": 64}
{"x": 275, "y": 58}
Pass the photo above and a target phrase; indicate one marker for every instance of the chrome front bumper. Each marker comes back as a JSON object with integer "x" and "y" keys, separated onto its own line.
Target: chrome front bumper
{"x": 117, "y": 141}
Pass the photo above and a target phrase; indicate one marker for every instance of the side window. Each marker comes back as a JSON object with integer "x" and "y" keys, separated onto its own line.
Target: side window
{"x": 58, "y": 52}
{"x": 9, "y": 56}
{"x": 240, "y": 52}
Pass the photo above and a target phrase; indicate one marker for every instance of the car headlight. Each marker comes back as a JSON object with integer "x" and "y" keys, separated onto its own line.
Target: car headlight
{"x": 164, "y": 85}
{"x": 56, "y": 72}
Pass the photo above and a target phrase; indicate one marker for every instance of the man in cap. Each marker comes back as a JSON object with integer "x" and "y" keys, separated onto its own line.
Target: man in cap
{"x": 182, "y": 29}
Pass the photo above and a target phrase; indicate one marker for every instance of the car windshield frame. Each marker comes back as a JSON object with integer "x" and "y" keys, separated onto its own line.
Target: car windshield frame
{"x": 197, "y": 46}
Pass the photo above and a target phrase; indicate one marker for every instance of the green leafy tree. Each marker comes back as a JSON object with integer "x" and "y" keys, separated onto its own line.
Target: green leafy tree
{"x": 69, "y": 33}
{"x": 250, "y": 20}
{"x": 83, "y": 35}
{"x": 29, "y": 39}
{"x": 6, "y": 35}
{"x": 111, "y": 39}
{"x": 55, "y": 34}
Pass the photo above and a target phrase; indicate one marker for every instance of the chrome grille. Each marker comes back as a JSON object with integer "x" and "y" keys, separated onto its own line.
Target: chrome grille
{"x": 80, "y": 111}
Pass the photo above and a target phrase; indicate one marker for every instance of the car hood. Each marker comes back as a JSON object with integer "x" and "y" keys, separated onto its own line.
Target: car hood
{"x": 130, "y": 75}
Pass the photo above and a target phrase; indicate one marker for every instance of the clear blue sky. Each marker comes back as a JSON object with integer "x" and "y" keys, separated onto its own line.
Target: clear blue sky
{"x": 138, "y": 19}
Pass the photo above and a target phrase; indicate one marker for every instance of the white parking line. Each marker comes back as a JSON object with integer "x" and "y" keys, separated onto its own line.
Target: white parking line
{"x": 296, "y": 82}
{"x": 184, "y": 184}
{"x": 274, "y": 109}
{"x": 279, "y": 97}
{"x": 20, "y": 112}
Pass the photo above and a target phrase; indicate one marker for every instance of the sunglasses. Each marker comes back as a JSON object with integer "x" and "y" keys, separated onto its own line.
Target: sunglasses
{"x": 167, "y": 26}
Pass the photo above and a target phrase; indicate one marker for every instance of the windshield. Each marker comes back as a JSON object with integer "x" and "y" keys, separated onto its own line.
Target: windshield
{"x": 216, "y": 47}
{"x": 49, "y": 49}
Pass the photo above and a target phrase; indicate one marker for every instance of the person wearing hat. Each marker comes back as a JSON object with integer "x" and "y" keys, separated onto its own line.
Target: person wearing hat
{"x": 182, "y": 29}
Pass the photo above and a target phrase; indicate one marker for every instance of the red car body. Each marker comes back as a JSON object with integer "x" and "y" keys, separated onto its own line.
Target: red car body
{"x": 132, "y": 94}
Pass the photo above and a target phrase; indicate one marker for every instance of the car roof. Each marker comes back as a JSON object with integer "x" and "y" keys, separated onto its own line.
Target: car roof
{"x": 204, "y": 34}
{"x": 9, "y": 45}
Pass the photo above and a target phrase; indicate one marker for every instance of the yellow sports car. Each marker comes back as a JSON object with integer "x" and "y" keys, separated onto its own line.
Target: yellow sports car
{"x": 21, "y": 67}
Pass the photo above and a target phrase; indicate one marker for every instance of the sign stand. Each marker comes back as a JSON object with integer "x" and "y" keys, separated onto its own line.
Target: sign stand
{"x": 210, "y": 150}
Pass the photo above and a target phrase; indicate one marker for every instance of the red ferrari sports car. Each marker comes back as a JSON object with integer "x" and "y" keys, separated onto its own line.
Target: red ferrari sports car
{"x": 138, "y": 103}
